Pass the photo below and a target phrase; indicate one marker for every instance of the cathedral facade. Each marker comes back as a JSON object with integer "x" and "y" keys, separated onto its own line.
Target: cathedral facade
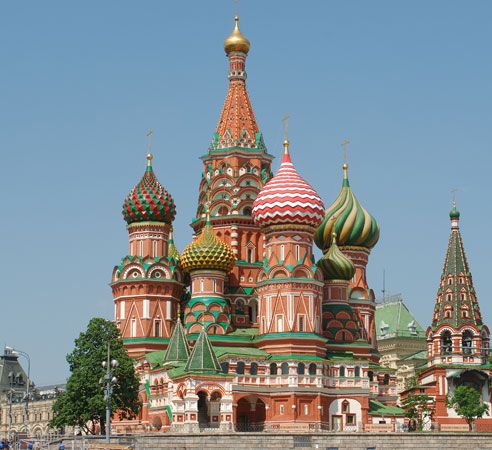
{"x": 244, "y": 329}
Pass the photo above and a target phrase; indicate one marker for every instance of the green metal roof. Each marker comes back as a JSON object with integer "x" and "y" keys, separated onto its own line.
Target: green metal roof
{"x": 203, "y": 358}
{"x": 394, "y": 319}
{"x": 379, "y": 409}
{"x": 178, "y": 350}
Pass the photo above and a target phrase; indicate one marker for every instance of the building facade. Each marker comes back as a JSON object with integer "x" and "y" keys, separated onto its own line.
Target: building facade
{"x": 245, "y": 329}
{"x": 401, "y": 340}
{"x": 457, "y": 339}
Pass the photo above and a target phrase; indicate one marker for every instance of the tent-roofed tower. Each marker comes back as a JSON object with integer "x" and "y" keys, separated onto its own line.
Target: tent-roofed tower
{"x": 457, "y": 333}
{"x": 235, "y": 168}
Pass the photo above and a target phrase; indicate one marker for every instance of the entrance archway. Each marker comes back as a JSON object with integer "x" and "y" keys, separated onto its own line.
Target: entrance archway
{"x": 250, "y": 414}
{"x": 203, "y": 418}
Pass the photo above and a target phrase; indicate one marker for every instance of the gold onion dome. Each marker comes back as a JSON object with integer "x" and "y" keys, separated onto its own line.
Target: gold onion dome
{"x": 352, "y": 224}
{"x": 335, "y": 265}
{"x": 207, "y": 252}
{"x": 236, "y": 42}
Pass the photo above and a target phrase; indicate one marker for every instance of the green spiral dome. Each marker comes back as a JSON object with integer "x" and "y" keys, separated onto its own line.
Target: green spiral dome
{"x": 353, "y": 225}
{"x": 335, "y": 265}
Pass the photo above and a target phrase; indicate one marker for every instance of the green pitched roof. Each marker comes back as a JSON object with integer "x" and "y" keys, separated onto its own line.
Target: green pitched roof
{"x": 394, "y": 319}
{"x": 379, "y": 409}
{"x": 203, "y": 358}
{"x": 178, "y": 350}
{"x": 456, "y": 286}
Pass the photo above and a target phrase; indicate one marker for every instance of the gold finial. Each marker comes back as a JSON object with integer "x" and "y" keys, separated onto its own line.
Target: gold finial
{"x": 236, "y": 42}
{"x": 149, "y": 147}
{"x": 333, "y": 238}
{"x": 285, "y": 121}
{"x": 345, "y": 165}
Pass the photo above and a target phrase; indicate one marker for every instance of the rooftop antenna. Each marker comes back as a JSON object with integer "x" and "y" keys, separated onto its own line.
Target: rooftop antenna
{"x": 345, "y": 165}
{"x": 149, "y": 146}
{"x": 285, "y": 121}
{"x": 384, "y": 285}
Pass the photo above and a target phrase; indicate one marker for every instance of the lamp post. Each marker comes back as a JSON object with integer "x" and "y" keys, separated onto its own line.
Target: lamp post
{"x": 109, "y": 381}
{"x": 25, "y": 355}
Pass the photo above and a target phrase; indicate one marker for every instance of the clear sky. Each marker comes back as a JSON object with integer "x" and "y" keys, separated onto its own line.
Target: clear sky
{"x": 408, "y": 83}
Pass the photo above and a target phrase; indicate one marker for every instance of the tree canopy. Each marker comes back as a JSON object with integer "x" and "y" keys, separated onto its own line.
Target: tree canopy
{"x": 83, "y": 403}
{"x": 467, "y": 404}
{"x": 418, "y": 407}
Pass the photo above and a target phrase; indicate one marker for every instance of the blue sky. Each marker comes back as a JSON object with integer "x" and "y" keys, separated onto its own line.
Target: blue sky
{"x": 408, "y": 83}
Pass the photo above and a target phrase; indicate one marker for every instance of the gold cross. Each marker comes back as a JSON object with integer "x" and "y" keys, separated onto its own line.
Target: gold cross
{"x": 285, "y": 120}
{"x": 344, "y": 145}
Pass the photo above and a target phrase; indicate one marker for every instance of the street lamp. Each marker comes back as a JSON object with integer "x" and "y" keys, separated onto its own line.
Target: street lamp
{"x": 25, "y": 355}
{"x": 109, "y": 381}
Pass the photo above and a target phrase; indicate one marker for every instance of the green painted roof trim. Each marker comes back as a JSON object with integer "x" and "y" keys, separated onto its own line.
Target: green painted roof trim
{"x": 177, "y": 350}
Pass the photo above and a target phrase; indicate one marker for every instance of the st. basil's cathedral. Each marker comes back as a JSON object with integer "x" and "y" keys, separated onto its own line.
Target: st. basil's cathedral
{"x": 245, "y": 330}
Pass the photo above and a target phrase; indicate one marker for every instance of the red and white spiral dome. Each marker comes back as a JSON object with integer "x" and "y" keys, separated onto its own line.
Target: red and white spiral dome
{"x": 288, "y": 199}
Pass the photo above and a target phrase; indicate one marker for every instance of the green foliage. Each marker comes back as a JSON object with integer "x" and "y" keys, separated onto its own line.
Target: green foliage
{"x": 83, "y": 404}
{"x": 411, "y": 382}
{"x": 417, "y": 407}
{"x": 467, "y": 404}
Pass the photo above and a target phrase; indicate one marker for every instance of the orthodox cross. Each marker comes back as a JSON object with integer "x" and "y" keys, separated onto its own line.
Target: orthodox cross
{"x": 285, "y": 120}
{"x": 344, "y": 145}
{"x": 149, "y": 140}
{"x": 453, "y": 196}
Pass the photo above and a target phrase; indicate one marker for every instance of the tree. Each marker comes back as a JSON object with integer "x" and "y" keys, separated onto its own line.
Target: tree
{"x": 467, "y": 404}
{"x": 83, "y": 404}
{"x": 418, "y": 407}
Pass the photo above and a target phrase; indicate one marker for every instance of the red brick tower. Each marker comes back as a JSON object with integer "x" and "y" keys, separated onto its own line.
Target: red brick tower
{"x": 236, "y": 166}
{"x": 290, "y": 287}
{"x": 147, "y": 285}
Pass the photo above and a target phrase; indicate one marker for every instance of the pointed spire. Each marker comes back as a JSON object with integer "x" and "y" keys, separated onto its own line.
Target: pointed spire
{"x": 456, "y": 303}
{"x": 172, "y": 250}
{"x": 203, "y": 358}
{"x": 177, "y": 350}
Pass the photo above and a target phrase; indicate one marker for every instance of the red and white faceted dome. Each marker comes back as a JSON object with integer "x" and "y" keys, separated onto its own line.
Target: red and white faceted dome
{"x": 288, "y": 199}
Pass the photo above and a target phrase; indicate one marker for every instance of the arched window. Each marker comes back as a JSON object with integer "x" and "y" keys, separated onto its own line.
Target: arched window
{"x": 357, "y": 371}
{"x": 341, "y": 372}
{"x": 446, "y": 342}
{"x": 273, "y": 369}
{"x": 301, "y": 369}
{"x": 240, "y": 368}
{"x": 284, "y": 368}
{"x": 247, "y": 211}
{"x": 253, "y": 369}
{"x": 312, "y": 369}
{"x": 466, "y": 342}
{"x": 249, "y": 255}
{"x": 386, "y": 378}
{"x": 225, "y": 367}
{"x": 370, "y": 375}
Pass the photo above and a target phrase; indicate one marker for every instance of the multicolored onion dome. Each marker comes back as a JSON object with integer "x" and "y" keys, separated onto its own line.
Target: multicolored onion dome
{"x": 335, "y": 265}
{"x": 207, "y": 252}
{"x": 236, "y": 41}
{"x": 287, "y": 199}
{"x": 148, "y": 201}
{"x": 353, "y": 225}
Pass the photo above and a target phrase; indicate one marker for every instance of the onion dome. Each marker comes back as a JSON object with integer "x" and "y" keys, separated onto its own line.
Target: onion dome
{"x": 148, "y": 201}
{"x": 172, "y": 251}
{"x": 236, "y": 41}
{"x": 287, "y": 199}
{"x": 334, "y": 264}
{"x": 208, "y": 252}
{"x": 353, "y": 225}
{"x": 454, "y": 214}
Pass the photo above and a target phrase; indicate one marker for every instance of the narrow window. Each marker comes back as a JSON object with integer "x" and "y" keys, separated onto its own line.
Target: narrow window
{"x": 154, "y": 248}
{"x": 284, "y": 368}
{"x": 201, "y": 285}
{"x": 249, "y": 255}
{"x": 280, "y": 324}
{"x": 253, "y": 369}
{"x": 133, "y": 330}
{"x": 282, "y": 252}
{"x": 298, "y": 253}
{"x": 146, "y": 309}
{"x": 141, "y": 248}
{"x": 301, "y": 323}
{"x": 122, "y": 310}
{"x": 157, "y": 328}
{"x": 240, "y": 368}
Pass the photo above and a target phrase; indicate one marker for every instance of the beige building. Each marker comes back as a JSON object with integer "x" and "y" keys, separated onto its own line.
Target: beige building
{"x": 401, "y": 339}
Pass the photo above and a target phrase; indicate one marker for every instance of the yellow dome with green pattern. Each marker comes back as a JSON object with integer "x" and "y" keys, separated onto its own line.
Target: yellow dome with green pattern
{"x": 353, "y": 225}
{"x": 207, "y": 252}
{"x": 335, "y": 265}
